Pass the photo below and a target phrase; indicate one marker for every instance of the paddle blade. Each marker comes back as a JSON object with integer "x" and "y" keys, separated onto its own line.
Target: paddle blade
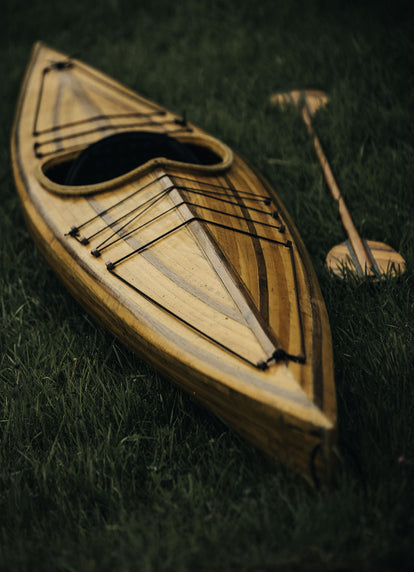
{"x": 314, "y": 99}
{"x": 385, "y": 260}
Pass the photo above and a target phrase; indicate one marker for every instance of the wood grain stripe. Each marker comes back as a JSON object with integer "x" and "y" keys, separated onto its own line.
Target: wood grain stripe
{"x": 260, "y": 262}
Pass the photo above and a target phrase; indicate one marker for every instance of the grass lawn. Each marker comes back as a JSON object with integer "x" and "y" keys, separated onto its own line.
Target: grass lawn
{"x": 104, "y": 465}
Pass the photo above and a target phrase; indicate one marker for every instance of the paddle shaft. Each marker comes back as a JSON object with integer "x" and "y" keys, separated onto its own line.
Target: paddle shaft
{"x": 348, "y": 224}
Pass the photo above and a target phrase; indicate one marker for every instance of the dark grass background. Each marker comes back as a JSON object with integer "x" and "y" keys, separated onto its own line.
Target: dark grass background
{"x": 106, "y": 466}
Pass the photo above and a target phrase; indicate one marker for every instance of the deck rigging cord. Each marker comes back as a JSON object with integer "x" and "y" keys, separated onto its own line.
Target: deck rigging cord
{"x": 149, "y": 203}
{"x": 219, "y": 193}
{"x": 212, "y": 192}
{"x": 167, "y": 127}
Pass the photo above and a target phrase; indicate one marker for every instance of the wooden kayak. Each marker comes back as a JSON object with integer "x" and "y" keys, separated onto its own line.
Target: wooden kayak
{"x": 182, "y": 251}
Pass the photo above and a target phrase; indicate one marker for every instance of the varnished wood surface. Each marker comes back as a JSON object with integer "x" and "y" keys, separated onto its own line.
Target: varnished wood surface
{"x": 198, "y": 269}
{"x": 385, "y": 260}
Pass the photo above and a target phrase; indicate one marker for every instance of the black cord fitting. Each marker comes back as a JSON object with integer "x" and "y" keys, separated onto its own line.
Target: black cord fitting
{"x": 279, "y": 355}
{"x": 262, "y": 365}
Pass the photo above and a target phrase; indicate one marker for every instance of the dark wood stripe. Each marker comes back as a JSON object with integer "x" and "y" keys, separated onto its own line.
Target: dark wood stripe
{"x": 260, "y": 259}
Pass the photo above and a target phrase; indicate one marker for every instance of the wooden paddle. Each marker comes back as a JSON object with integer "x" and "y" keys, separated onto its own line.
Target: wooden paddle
{"x": 365, "y": 257}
